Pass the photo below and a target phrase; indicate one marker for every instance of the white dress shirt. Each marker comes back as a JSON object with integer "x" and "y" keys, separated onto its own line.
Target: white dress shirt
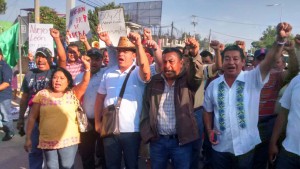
{"x": 291, "y": 101}
{"x": 131, "y": 105}
{"x": 234, "y": 139}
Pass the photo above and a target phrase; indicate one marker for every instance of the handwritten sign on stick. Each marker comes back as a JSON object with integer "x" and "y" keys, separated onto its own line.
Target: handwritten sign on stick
{"x": 78, "y": 23}
{"x": 112, "y": 21}
{"x": 39, "y": 36}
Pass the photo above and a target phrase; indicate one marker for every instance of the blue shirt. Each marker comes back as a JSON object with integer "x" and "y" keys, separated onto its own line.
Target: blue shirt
{"x": 5, "y": 76}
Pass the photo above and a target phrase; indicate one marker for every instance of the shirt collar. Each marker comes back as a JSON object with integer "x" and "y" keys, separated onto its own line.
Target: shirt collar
{"x": 127, "y": 70}
{"x": 240, "y": 77}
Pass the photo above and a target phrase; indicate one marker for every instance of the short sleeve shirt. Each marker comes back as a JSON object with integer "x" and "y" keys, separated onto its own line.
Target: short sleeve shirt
{"x": 5, "y": 76}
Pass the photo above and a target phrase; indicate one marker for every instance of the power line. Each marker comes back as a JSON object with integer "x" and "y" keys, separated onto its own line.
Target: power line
{"x": 233, "y": 36}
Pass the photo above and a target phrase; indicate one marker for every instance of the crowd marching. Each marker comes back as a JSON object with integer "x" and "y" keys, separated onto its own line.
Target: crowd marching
{"x": 167, "y": 106}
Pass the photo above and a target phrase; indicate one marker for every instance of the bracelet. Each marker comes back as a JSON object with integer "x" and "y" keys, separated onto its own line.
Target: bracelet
{"x": 87, "y": 70}
{"x": 281, "y": 43}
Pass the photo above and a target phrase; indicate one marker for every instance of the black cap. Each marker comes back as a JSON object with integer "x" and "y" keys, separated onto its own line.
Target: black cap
{"x": 94, "y": 52}
{"x": 44, "y": 51}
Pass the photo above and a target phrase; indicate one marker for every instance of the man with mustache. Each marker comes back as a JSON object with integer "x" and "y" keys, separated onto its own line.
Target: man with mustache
{"x": 168, "y": 121}
{"x": 234, "y": 100}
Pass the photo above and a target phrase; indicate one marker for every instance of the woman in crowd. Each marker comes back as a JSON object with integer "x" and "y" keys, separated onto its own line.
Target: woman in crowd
{"x": 55, "y": 107}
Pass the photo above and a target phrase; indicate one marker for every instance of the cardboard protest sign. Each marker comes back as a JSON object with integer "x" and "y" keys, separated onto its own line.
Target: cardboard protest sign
{"x": 112, "y": 21}
{"x": 39, "y": 36}
{"x": 78, "y": 24}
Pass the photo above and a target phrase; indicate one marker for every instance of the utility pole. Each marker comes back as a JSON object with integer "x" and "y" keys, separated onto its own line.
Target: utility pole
{"x": 69, "y": 6}
{"x": 209, "y": 36}
{"x": 194, "y": 23}
{"x": 172, "y": 28}
{"x": 37, "y": 11}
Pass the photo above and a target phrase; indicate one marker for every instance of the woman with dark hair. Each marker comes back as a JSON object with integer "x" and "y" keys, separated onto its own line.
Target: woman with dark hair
{"x": 55, "y": 107}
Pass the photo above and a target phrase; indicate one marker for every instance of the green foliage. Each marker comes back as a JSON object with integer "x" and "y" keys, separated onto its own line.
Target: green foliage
{"x": 49, "y": 16}
{"x": 2, "y": 6}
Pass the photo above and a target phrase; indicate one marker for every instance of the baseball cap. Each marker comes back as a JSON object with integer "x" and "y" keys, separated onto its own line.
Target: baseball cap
{"x": 44, "y": 51}
{"x": 94, "y": 52}
{"x": 260, "y": 52}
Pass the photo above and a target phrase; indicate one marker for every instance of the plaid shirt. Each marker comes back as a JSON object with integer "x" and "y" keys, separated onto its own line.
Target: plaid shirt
{"x": 75, "y": 68}
{"x": 166, "y": 111}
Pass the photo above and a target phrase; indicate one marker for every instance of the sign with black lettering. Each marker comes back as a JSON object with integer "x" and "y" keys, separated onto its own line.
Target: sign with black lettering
{"x": 112, "y": 21}
{"x": 39, "y": 36}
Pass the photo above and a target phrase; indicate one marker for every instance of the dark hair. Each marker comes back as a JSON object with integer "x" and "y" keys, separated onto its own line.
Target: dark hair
{"x": 234, "y": 48}
{"x": 67, "y": 74}
{"x": 73, "y": 45}
{"x": 177, "y": 51}
{"x": 206, "y": 53}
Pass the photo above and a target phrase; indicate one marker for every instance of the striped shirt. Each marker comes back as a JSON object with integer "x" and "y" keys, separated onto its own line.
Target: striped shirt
{"x": 75, "y": 68}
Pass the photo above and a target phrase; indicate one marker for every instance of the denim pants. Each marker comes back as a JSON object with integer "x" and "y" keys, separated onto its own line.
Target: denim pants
{"x": 126, "y": 144}
{"x": 62, "y": 158}
{"x": 5, "y": 108}
{"x": 164, "y": 149}
{"x": 36, "y": 154}
{"x": 196, "y": 145}
{"x": 287, "y": 160}
{"x": 261, "y": 155}
{"x": 224, "y": 160}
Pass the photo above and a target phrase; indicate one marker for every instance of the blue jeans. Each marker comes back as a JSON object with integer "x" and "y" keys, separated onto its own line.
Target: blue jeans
{"x": 36, "y": 154}
{"x": 287, "y": 160}
{"x": 5, "y": 108}
{"x": 62, "y": 158}
{"x": 226, "y": 160}
{"x": 198, "y": 143}
{"x": 126, "y": 144}
{"x": 164, "y": 149}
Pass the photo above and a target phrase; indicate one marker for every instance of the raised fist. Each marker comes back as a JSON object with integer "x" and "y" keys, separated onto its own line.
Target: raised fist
{"x": 54, "y": 33}
{"x": 241, "y": 44}
{"x": 283, "y": 31}
{"x": 135, "y": 38}
{"x": 216, "y": 45}
{"x": 147, "y": 34}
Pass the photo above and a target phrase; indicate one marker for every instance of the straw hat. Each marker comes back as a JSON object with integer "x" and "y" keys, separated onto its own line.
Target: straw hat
{"x": 124, "y": 42}
{"x": 95, "y": 44}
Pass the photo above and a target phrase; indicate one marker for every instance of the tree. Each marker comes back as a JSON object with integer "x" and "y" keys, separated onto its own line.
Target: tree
{"x": 49, "y": 16}
{"x": 2, "y": 6}
{"x": 94, "y": 20}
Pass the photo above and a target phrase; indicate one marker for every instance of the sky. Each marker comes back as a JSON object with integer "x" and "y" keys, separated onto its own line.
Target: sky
{"x": 228, "y": 20}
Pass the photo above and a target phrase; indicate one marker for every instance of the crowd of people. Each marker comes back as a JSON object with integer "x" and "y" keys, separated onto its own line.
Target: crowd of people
{"x": 238, "y": 111}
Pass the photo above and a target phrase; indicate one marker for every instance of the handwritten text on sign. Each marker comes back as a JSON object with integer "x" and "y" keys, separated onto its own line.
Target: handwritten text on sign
{"x": 39, "y": 36}
{"x": 112, "y": 21}
{"x": 79, "y": 23}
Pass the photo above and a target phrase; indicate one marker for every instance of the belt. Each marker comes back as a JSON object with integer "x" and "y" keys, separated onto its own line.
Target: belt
{"x": 198, "y": 108}
{"x": 173, "y": 136}
{"x": 264, "y": 119}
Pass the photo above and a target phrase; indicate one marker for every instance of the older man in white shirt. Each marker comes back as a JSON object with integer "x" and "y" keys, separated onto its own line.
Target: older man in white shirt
{"x": 234, "y": 100}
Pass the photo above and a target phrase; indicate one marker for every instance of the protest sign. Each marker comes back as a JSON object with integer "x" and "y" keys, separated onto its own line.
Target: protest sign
{"x": 78, "y": 24}
{"x": 112, "y": 21}
{"x": 39, "y": 36}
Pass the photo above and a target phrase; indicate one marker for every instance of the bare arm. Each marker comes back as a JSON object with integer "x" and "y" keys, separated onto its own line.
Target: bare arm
{"x": 34, "y": 113}
{"x": 142, "y": 60}
{"x": 23, "y": 107}
{"x": 99, "y": 104}
{"x": 217, "y": 46}
{"x": 280, "y": 124}
{"x": 4, "y": 85}
{"x": 207, "y": 119}
{"x": 111, "y": 50}
{"x": 157, "y": 54}
{"x": 292, "y": 65}
{"x": 84, "y": 40}
{"x": 283, "y": 31}
{"x": 79, "y": 89}
{"x": 62, "y": 58}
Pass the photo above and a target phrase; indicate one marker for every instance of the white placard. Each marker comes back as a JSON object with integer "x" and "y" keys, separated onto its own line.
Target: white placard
{"x": 112, "y": 21}
{"x": 39, "y": 36}
{"x": 79, "y": 23}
